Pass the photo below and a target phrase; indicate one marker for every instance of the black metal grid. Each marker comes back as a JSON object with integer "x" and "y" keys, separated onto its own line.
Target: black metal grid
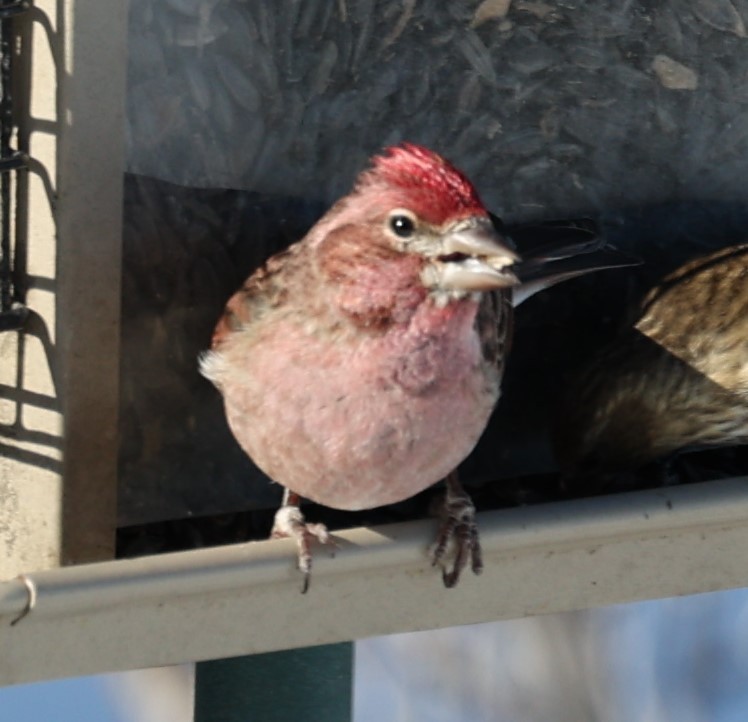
{"x": 12, "y": 310}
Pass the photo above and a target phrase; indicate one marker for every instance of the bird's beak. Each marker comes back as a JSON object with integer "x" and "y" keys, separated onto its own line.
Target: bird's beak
{"x": 474, "y": 257}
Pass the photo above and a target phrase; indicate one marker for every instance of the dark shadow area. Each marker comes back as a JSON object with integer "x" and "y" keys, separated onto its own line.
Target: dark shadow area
{"x": 177, "y": 451}
{"x": 185, "y": 252}
{"x": 22, "y": 400}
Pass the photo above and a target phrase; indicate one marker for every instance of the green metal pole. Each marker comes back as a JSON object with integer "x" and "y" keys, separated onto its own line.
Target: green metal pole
{"x": 313, "y": 684}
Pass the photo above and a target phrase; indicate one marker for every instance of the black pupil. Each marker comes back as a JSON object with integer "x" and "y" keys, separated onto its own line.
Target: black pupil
{"x": 403, "y": 226}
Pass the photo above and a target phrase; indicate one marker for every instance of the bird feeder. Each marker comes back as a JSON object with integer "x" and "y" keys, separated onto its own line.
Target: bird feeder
{"x": 160, "y": 152}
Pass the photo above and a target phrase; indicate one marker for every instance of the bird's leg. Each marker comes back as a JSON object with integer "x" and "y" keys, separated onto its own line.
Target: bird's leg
{"x": 290, "y": 523}
{"x": 458, "y": 524}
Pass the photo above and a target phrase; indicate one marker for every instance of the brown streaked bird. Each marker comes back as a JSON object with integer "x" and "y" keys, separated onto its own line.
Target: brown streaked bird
{"x": 676, "y": 380}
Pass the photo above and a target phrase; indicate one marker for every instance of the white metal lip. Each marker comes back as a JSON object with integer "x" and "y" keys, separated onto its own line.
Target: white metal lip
{"x": 245, "y": 598}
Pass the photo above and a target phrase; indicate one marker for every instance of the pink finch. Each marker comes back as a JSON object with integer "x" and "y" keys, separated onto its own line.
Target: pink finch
{"x": 360, "y": 366}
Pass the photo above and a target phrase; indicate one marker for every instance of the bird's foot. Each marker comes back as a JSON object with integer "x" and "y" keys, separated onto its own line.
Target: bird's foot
{"x": 458, "y": 526}
{"x": 290, "y": 524}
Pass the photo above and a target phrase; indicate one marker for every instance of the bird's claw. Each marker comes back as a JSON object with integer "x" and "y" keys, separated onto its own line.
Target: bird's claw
{"x": 290, "y": 524}
{"x": 458, "y": 525}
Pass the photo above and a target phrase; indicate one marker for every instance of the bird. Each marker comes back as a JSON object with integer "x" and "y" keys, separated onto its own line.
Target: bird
{"x": 360, "y": 366}
{"x": 674, "y": 379}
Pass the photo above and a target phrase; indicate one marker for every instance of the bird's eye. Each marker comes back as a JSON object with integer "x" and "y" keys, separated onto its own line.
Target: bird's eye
{"x": 403, "y": 226}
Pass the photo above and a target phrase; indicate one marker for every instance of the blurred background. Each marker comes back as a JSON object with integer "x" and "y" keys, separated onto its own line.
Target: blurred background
{"x": 683, "y": 660}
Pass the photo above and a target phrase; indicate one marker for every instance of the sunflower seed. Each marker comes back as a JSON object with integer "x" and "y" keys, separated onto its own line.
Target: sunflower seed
{"x": 401, "y": 24}
{"x": 720, "y": 15}
{"x": 674, "y": 75}
{"x": 490, "y": 10}
{"x": 477, "y": 54}
{"x": 239, "y": 83}
{"x": 320, "y": 77}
